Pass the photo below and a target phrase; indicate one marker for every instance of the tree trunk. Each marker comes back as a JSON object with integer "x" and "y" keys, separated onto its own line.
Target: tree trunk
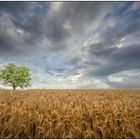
{"x": 14, "y": 87}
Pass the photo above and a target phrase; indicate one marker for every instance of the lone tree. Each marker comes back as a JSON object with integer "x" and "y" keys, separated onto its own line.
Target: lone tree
{"x": 15, "y": 76}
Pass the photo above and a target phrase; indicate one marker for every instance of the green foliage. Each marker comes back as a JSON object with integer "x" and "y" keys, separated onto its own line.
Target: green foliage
{"x": 15, "y": 76}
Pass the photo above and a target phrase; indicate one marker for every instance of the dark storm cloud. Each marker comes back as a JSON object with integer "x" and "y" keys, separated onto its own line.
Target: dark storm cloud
{"x": 125, "y": 58}
{"x": 75, "y": 61}
{"x": 21, "y": 27}
{"x": 18, "y": 10}
{"x": 107, "y": 57}
{"x": 8, "y": 41}
{"x": 57, "y": 26}
{"x": 82, "y": 14}
{"x": 130, "y": 29}
{"x": 35, "y": 29}
{"x": 71, "y": 19}
{"x": 34, "y": 24}
{"x": 100, "y": 49}
{"x": 55, "y": 30}
{"x": 4, "y": 44}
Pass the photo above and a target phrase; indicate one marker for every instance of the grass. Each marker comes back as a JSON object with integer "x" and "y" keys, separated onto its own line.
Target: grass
{"x": 70, "y": 113}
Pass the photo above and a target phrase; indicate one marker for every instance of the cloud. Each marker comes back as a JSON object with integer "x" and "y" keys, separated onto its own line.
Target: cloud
{"x": 125, "y": 79}
{"x": 130, "y": 29}
{"x": 73, "y": 44}
{"x": 63, "y": 26}
{"x": 72, "y": 14}
{"x": 21, "y": 27}
{"x": 135, "y": 6}
{"x": 18, "y": 10}
{"x": 116, "y": 49}
{"x": 56, "y": 28}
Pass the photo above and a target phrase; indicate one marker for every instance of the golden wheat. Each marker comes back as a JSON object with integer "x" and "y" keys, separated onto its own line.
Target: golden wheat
{"x": 82, "y": 113}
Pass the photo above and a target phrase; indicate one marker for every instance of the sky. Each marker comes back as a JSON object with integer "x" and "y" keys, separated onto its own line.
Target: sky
{"x": 73, "y": 44}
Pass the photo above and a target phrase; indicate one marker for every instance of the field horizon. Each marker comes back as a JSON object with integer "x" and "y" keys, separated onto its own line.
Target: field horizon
{"x": 70, "y": 113}
{"x": 26, "y": 89}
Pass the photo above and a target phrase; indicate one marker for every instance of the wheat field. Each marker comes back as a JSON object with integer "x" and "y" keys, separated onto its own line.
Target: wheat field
{"x": 97, "y": 113}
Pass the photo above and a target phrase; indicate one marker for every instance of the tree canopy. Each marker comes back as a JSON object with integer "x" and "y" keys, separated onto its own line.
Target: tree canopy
{"x": 12, "y": 75}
